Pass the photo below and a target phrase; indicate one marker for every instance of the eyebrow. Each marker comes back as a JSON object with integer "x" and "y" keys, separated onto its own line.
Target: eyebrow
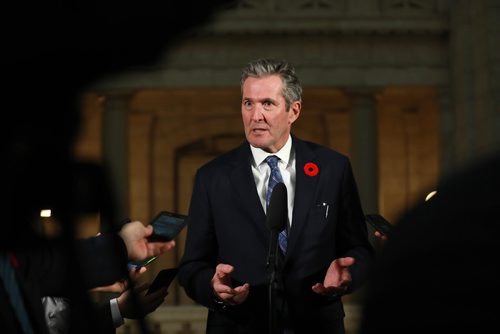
{"x": 266, "y": 99}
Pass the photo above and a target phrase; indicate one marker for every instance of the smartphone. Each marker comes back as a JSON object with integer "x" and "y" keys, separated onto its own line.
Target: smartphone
{"x": 163, "y": 279}
{"x": 167, "y": 225}
{"x": 138, "y": 264}
{"x": 379, "y": 223}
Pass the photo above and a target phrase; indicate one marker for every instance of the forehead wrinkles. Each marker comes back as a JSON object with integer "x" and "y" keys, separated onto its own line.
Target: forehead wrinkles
{"x": 259, "y": 89}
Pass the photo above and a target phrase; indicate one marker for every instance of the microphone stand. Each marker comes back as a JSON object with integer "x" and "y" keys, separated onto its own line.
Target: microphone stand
{"x": 276, "y": 220}
{"x": 273, "y": 282}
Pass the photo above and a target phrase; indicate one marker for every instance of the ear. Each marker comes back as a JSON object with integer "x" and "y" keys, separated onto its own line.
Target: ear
{"x": 294, "y": 111}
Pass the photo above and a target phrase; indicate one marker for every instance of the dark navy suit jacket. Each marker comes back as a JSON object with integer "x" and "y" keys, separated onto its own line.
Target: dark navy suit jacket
{"x": 227, "y": 224}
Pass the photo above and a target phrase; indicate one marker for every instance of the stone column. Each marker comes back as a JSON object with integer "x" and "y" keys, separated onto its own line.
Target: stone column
{"x": 474, "y": 66}
{"x": 364, "y": 147}
{"x": 447, "y": 156}
{"x": 115, "y": 149}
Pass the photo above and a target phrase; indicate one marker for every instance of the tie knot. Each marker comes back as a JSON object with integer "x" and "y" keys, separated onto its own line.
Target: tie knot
{"x": 272, "y": 161}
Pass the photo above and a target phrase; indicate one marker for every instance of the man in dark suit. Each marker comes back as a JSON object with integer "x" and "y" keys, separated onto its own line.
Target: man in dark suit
{"x": 328, "y": 252}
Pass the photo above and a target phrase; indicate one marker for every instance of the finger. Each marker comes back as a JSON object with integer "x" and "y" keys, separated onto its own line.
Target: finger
{"x": 148, "y": 230}
{"x": 117, "y": 287}
{"x": 318, "y": 288}
{"x": 222, "y": 289}
{"x": 346, "y": 261}
{"x": 161, "y": 246}
{"x": 226, "y": 297}
{"x": 242, "y": 288}
{"x": 153, "y": 249}
{"x": 328, "y": 291}
{"x": 170, "y": 244}
{"x": 241, "y": 296}
{"x": 380, "y": 235}
{"x": 124, "y": 285}
{"x": 134, "y": 273}
{"x": 345, "y": 277}
{"x": 223, "y": 269}
{"x": 223, "y": 274}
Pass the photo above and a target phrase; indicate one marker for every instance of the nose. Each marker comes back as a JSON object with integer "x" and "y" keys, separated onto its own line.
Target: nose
{"x": 257, "y": 114}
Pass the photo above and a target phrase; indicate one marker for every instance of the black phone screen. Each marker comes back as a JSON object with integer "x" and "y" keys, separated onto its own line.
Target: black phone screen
{"x": 167, "y": 225}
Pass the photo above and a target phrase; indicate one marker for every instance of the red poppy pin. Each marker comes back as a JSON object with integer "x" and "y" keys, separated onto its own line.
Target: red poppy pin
{"x": 311, "y": 169}
{"x": 13, "y": 260}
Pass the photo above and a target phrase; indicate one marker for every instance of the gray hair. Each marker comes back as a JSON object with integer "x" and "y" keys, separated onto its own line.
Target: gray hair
{"x": 292, "y": 90}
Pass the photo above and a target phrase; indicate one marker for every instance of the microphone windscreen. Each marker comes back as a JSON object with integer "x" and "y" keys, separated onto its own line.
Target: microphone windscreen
{"x": 277, "y": 212}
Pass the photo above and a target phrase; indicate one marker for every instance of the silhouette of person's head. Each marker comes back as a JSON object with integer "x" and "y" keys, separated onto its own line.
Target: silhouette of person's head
{"x": 438, "y": 272}
{"x": 53, "y": 50}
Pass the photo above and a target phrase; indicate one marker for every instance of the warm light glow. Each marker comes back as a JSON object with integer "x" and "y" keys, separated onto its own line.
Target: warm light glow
{"x": 429, "y": 195}
{"x": 45, "y": 213}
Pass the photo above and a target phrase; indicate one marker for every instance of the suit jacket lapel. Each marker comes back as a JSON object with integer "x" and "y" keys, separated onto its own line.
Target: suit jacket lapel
{"x": 305, "y": 190}
{"x": 243, "y": 182}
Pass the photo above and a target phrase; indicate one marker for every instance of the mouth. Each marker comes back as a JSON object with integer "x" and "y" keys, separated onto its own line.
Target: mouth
{"x": 258, "y": 130}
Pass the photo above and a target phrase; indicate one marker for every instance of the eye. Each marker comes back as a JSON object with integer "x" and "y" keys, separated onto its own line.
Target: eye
{"x": 268, "y": 105}
{"x": 247, "y": 104}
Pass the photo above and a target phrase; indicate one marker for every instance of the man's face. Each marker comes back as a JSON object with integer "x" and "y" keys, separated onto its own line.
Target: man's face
{"x": 266, "y": 121}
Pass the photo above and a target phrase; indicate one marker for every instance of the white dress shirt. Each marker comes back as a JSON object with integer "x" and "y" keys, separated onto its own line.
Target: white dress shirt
{"x": 286, "y": 164}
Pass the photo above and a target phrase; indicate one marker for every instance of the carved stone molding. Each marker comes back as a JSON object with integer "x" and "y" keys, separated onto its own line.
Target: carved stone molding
{"x": 279, "y": 7}
{"x": 409, "y": 7}
{"x": 332, "y": 16}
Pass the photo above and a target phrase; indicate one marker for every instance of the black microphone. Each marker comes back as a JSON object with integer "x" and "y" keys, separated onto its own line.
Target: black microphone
{"x": 277, "y": 214}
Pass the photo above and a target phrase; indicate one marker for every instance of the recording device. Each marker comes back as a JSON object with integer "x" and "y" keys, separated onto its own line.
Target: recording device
{"x": 167, "y": 225}
{"x": 163, "y": 279}
{"x": 379, "y": 223}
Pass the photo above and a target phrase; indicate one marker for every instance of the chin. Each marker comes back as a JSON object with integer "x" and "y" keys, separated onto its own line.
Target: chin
{"x": 258, "y": 143}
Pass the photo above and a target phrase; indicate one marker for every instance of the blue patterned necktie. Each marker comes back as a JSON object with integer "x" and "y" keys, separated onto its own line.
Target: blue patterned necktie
{"x": 8, "y": 276}
{"x": 274, "y": 179}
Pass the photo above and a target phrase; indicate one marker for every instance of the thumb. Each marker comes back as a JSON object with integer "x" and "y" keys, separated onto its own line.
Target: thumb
{"x": 346, "y": 261}
{"x": 148, "y": 231}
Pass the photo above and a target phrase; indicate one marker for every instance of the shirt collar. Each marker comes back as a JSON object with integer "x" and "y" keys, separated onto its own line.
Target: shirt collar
{"x": 259, "y": 155}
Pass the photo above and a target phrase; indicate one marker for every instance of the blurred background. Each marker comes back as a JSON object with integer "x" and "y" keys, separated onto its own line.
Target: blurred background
{"x": 408, "y": 89}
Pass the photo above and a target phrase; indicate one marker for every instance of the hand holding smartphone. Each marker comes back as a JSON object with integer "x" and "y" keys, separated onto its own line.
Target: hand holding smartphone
{"x": 167, "y": 225}
{"x": 379, "y": 223}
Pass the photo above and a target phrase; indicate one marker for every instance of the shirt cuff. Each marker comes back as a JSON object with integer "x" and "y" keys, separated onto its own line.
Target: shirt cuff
{"x": 115, "y": 313}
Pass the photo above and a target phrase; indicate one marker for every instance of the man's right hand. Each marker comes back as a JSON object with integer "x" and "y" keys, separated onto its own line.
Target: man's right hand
{"x": 222, "y": 287}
